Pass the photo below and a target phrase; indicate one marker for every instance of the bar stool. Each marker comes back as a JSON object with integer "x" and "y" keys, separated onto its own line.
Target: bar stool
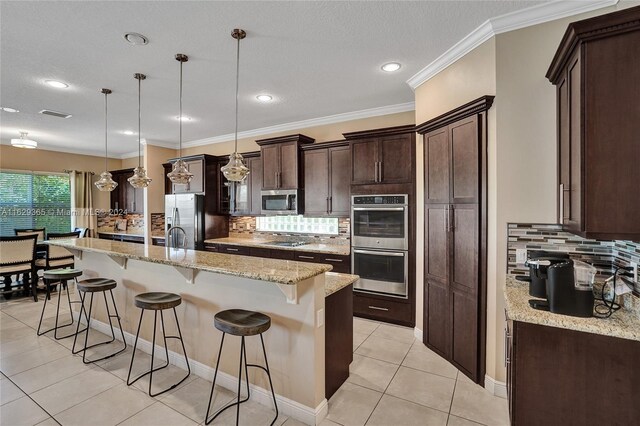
{"x": 158, "y": 301}
{"x": 92, "y": 286}
{"x": 239, "y": 322}
{"x": 58, "y": 276}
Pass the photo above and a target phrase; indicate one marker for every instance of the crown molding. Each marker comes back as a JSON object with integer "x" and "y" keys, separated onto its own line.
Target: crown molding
{"x": 126, "y": 155}
{"x": 501, "y": 24}
{"x": 295, "y": 125}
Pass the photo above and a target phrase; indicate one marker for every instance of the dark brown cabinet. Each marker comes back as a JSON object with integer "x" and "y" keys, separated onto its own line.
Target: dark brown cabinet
{"x": 242, "y": 198}
{"x": 565, "y": 377}
{"x": 326, "y": 177}
{"x": 340, "y": 263}
{"x": 595, "y": 71}
{"x": 455, "y": 236}
{"x": 280, "y": 156}
{"x": 125, "y": 196}
{"x": 382, "y": 155}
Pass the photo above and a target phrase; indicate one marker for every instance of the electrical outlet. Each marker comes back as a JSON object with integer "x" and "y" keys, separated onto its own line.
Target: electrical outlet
{"x": 320, "y": 318}
{"x": 521, "y": 256}
{"x": 634, "y": 265}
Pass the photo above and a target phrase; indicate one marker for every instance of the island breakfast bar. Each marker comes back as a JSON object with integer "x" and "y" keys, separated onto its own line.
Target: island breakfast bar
{"x": 291, "y": 293}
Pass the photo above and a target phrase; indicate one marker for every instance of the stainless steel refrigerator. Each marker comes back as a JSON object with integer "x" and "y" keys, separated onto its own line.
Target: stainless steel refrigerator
{"x": 184, "y": 211}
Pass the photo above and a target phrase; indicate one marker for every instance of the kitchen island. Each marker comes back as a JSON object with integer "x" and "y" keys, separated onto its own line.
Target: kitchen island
{"x": 292, "y": 293}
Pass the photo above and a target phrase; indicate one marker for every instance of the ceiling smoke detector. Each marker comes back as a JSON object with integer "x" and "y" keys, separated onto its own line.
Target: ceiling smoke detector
{"x": 55, "y": 113}
{"x": 136, "y": 39}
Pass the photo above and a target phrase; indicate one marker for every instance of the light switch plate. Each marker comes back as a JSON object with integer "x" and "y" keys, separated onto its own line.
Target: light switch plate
{"x": 521, "y": 256}
{"x": 320, "y": 318}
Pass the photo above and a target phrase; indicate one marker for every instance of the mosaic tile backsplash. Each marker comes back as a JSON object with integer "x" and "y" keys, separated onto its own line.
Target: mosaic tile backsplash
{"x": 157, "y": 223}
{"x": 135, "y": 222}
{"x": 604, "y": 255}
{"x": 249, "y": 225}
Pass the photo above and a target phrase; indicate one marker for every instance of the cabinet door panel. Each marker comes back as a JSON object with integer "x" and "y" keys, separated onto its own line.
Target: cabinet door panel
{"x": 437, "y": 317}
{"x": 197, "y": 182}
{"x": 316, "y": 182}
{"x": 435, "y": 249}
{"x": 465, "y": 332}
{"x": 436, "y": 166}
{"x": 270, "y": 155}
{"x": 340, "y": 169}
{"x": 396, "y": 159}
{"x": 255, "y": 185}
{"x": 464, "y": 247}
{"x": 564, "y": 160}
{"x": 575, "y": 129}
{"x": 288, "y": 165}
{"x": 464, "y": 170}
{"x": 364, "y": 156}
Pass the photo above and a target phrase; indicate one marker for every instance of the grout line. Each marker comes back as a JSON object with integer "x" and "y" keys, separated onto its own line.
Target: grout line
{"x": 29, "y": 396}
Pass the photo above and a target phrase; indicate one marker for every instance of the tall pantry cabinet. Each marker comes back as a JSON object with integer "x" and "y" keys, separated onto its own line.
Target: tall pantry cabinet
{"x": 455, "y": 193}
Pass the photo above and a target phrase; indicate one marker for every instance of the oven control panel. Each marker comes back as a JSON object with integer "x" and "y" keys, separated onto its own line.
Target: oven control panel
{"x": 379, "y": 199}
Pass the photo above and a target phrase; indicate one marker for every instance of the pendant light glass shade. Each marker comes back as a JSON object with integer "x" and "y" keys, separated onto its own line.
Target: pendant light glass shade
{"x": 23, "y": 142}
{"x": 106, "y": 183}
{"x": 180, "y": 173}
{"x": 139, "y": 178}
{"x": 235, "y": 170}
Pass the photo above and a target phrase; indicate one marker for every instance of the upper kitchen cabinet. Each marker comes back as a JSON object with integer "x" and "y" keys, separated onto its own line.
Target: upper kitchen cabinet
{"x": 242, "y": 198}
{"x": 595, "y": 71}
{"x": 203, "y": 167}
{"x": 125, "y": 196}
{"x": 281, "y": 161}
{"x": 382, "y": 155}
{"x": 326, "y": 178}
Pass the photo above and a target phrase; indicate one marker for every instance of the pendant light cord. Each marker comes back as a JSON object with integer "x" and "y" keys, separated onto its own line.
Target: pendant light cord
{"x": 105, "y": 131}
{"x": 237, "y": 85}
{"x": 180, "y": 118}
{"x": 139, "y": 89}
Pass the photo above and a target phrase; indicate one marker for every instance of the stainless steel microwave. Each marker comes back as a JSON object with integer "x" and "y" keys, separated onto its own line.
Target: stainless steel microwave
{"x": 281, "y": 201}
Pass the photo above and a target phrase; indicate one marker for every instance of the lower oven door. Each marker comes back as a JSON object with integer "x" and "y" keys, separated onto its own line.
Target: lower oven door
{"x": 381, "y": 272}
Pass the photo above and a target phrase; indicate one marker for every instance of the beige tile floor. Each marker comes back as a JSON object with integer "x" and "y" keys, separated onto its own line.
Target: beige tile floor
{"x": 395, "y": 381}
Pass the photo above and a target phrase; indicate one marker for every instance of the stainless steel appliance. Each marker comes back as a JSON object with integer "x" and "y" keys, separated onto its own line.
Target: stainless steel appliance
{"x": 282, "y": 201}
{"x": 184, "y": 220}
{"x": 380, "y": 243}
{"x": 380, "y": 221}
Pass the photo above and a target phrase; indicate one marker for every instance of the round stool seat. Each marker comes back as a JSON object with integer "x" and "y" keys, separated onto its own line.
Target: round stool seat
{"x": 239, "y": 322}
{"x": 94, "y": 285}
{"x": 61, "y": 274}
{"x": 157, "y": 300}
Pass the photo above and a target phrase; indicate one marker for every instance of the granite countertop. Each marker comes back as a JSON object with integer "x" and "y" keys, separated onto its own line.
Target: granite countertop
{"x": 338, "y": 249}
{"x": 335, "y": 281}
{"x": 624, "y": 323}
{"x": 125, "y": 233}
{"x": 272, "y": 270}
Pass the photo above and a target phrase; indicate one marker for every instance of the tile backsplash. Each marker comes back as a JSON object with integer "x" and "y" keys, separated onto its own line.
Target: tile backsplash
{"x": 604, "y": 255}
{"x": 135, "y": 222}
{"x": 157, "y": 223}
{"x": 249, "y": 225}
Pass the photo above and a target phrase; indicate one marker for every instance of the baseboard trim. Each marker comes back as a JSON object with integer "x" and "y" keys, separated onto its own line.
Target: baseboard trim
{"x": 417, "y": 333}
{"x": 288, "y": 407}
{"x": 495, "y": 387}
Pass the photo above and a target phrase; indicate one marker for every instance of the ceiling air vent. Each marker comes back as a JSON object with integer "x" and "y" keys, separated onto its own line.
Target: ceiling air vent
{"x": 55, "y": 113}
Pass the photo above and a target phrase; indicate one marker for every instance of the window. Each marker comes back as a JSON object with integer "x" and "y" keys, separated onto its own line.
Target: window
{"x": 34, "y": 200}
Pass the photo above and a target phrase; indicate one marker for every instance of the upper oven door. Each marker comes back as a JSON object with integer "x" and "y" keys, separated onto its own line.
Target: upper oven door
{"x": 380, "y": 227}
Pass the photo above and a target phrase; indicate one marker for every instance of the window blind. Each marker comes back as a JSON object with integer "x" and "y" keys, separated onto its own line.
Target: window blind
{"x": 34, "y": 200}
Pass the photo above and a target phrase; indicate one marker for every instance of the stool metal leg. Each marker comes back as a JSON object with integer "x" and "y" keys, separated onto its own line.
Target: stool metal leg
{"x": 273, "y": 394}
{"x": 87, "y": 328}
{"x": 243, "y": 355}
{"x": 153, "y": 351}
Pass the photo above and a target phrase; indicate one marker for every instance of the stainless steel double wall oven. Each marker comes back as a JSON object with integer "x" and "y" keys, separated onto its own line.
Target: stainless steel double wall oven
{"x": 380, "y": 243}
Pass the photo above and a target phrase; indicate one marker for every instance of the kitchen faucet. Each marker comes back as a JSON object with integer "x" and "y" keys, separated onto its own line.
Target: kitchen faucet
{"x": 169, "y": 239}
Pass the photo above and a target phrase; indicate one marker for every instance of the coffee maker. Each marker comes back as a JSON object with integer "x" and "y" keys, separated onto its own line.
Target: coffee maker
{"x": 569, "y": 289}
{"x": 538, "y": 261}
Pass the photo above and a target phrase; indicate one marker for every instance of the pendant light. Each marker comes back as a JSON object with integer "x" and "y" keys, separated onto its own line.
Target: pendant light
{"x": 235, "y": 170}
{"x": 106, "y": 183}
{"x": 180, "y": 173}
{"x": 139, "y": 178}
{"x": 23, "y": 142}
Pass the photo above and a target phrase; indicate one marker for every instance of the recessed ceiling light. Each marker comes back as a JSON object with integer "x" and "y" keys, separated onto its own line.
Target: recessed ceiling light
{"x": 137, "y": 39}
{"x": 56, "y": 84}
{"x": 391, "y": 67}
{"x": 129, "y": 132}
{"x": 7, "y": 109}
{"x": 264, "y": 98}
{"x": 184, "y": 118}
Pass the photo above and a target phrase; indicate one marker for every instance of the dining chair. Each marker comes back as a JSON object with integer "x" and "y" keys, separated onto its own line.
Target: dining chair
{"x": 18, "y": 256}
{"x": 57, "y": 257}
{"x": 82, "y": 231}
{"x": 40, "y": 232}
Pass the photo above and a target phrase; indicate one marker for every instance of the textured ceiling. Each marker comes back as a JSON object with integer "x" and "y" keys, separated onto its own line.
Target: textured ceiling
{"x": 315, "y": 58}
